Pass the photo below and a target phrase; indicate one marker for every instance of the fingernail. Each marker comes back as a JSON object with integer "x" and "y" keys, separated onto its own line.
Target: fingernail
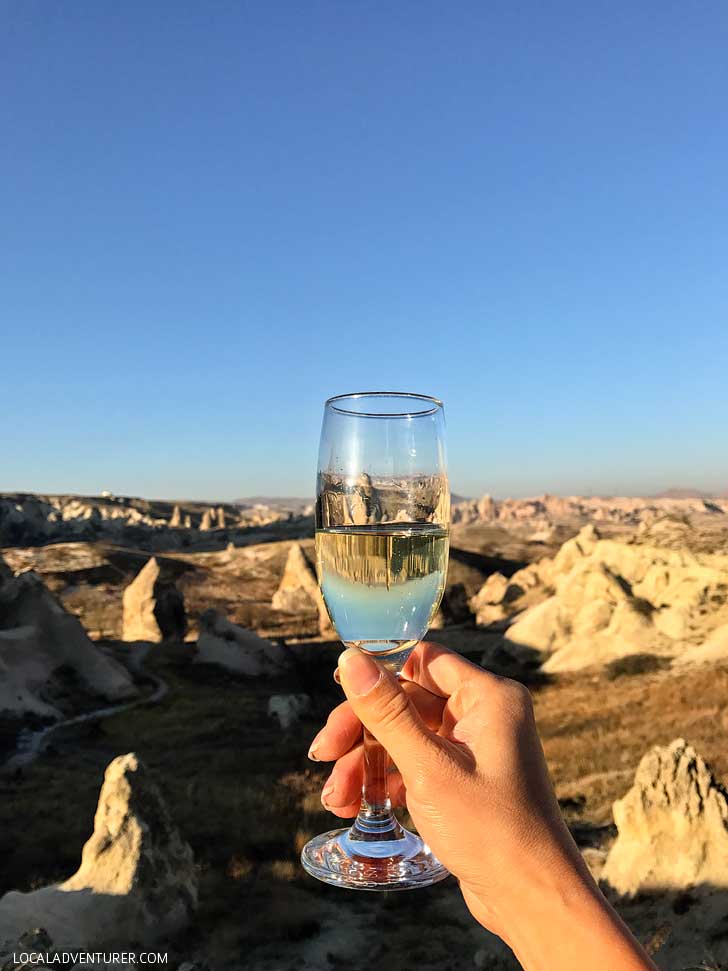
{"x": 314, "y": 745}
{"x": 360, "y": 672}
{"x": 337, "y": 676}
{"x": 327, "y": 791}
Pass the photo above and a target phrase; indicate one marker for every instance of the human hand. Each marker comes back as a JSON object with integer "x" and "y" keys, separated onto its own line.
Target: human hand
{"x": 471, "y": 771}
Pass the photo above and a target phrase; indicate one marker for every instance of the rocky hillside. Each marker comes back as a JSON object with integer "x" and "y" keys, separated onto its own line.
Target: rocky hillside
{"x": 601, "y": 619}
{"x": 544, "y": 512}
{"x": 28, "y": 519}
{"x": 602, "y": 599}
{"x": 48, "y": 664}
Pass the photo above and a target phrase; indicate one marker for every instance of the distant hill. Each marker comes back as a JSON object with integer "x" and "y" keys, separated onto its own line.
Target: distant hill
{"x": 288, "y": 503}
{"x": 684, "y": 493}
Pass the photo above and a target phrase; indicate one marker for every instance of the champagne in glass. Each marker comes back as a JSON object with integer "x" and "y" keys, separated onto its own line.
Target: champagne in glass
{"x": 382, "y": 583}
{"x": 382, "y": 516}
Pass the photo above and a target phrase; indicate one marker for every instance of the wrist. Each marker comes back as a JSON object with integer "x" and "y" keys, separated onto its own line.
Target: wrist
{"x": 556, "y": 919}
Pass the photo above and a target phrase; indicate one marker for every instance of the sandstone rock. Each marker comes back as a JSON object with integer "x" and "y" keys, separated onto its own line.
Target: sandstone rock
{"x": 39, "y": 641}
{"x": 673, "y": 826}
{"x": 136, "y": 884}
{"x": 536, "y": 631}
{"x": 613, "y": 599}
{"x": 486, "y": 508}
{"x": 531, "y": 576}
{"x": 24, "y": 673}
{"x": 220, "y": 517}
{"x": 188, "y": 521}
{"x": 587, "y": 581}
{"x": 714, "y": 648}
{"x": 490, "y": 604}
{"x": 237, "y": 649}
{"x": 544, "y": 534}
{"x": 595, "y": 859}
{"x": 673, "y": 622}
{"x": 464, "y": 513}
{"x": 154, "y": 610}
{"x": 574, "y": 549}
{"x": 629, "y": 631}
{"x": 288, "y": 709}
{"x": 494, "y": 616}
{"x": 207, "y": 521}
{"x": 492, "y": 592}
{"x": 298, "y": 591}
{"x": 176, "y": 519}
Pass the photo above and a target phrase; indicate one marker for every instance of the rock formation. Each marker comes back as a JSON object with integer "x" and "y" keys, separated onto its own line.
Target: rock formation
{"x": 27, "y": 519}
{"x": 298, "y": 591}
{"x": 288, "y": 709}
{"x": 220, "y": 517}
{"x": 30, "y": 520}
{"x": 715, "y": 648}
{"x": 207, "y": 521}
{"x": 601, "y": 599}
{"x": 545, "y": 511}
{"x": 489, "y": 602}
{"x": 486, "y": 508}
{"x": 40, "y": 643}
{"x": 237, "y": 649}
{"x": 136, "y": 884}
{"x": 154, "y": 609}
{"x": 673, "y": 826}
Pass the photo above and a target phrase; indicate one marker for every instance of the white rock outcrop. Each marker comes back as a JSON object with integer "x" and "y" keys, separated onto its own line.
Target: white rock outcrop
{"x": 673, "y": 826}
{"x": 605, "y": 599}
{"x": 298, "y": 591}
{"x": 136, "y": 884}
{"x": 237, "y": 649}
{"x": 288, "y": 709}
{"x": 208, "y": 520}
{"x": 714, "y": 648}
{"x": 153, "y": 607}
{"x": 39, "y": 641}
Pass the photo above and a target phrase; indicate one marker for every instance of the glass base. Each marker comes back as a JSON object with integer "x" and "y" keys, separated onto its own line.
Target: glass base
{"x": 350, "y": 858}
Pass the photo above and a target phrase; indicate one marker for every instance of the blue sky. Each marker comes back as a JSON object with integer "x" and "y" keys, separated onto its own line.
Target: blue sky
{"x": 215, "y": 215}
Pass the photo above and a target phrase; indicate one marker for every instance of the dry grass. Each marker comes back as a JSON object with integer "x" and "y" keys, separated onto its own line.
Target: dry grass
{"x": 596, "y": 730}
{"x": 246, "y": 798}
{"x": 243, "y": 795}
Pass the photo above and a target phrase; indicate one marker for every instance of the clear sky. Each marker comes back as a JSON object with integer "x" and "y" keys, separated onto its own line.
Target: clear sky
{"x": 213, "y": 215}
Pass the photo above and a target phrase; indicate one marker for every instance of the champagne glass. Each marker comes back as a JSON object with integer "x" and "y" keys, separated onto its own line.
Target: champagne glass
{"x": 382, "y": 516}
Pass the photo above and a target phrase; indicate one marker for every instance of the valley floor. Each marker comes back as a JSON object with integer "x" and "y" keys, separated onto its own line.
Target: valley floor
{"x": 246, "y": 798}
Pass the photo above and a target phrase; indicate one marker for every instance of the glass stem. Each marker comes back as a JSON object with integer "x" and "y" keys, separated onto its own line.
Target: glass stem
{"x": 376, "y": 821}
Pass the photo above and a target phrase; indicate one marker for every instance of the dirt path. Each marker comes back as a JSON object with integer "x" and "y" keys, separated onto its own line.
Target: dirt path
{"x": 32, "y": 743}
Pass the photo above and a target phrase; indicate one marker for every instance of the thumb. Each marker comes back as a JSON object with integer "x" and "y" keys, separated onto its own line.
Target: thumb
{"x": 381, "y": 705}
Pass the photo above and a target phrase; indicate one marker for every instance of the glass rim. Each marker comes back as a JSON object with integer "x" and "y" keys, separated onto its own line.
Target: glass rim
{"x": 433, "y": 404}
